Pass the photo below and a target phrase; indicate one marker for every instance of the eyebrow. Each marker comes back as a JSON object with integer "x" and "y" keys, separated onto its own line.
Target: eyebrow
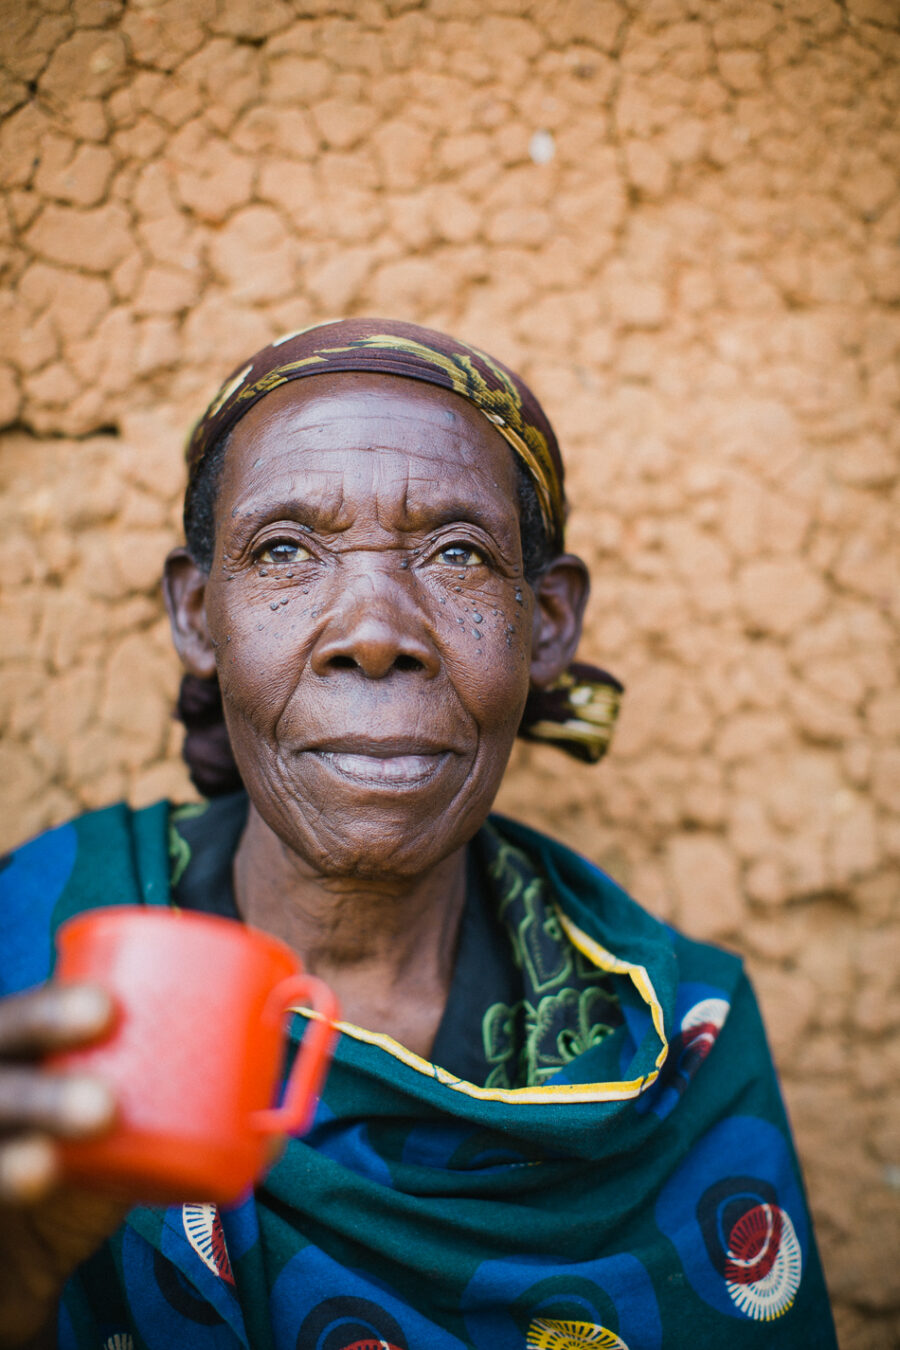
{"x": 308, "y": 513}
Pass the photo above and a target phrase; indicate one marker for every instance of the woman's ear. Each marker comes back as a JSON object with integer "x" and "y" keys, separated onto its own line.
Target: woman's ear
{"x": 184, "y": 590}
{"x": 561, "y": 594}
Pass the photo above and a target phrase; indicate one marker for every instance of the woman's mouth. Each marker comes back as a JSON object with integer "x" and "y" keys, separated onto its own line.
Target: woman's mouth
{"x": 391, "y": 771}
{"x": 393, "y": 762}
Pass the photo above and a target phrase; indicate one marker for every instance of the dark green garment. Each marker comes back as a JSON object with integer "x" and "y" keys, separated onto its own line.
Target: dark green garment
{"x": 515, "y": 1011}
{"x": 641, "y": 1191}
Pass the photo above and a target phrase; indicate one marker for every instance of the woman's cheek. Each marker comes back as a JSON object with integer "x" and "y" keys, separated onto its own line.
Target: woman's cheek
{"x": 495, "y": 671}
{"x": 251, "y": 656}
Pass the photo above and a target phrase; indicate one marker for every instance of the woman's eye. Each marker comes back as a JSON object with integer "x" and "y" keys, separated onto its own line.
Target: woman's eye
{"x": 282, "y": 551}
{"x": 461, "y": 555}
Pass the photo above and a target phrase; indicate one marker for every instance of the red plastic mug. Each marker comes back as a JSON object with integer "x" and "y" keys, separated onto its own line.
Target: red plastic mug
{"x": 196, "y": 1052}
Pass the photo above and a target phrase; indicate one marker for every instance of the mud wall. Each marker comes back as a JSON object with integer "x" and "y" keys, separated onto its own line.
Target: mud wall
{"x": 680, "y": 219}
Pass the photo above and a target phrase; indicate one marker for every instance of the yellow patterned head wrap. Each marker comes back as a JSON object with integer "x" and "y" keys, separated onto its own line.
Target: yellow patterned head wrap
{"x": 390, "y": 347}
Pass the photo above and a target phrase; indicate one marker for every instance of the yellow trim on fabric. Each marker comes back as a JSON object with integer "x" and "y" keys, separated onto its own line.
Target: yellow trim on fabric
{"x": 605, "y": 959}
{"x": 531, "y": 1096}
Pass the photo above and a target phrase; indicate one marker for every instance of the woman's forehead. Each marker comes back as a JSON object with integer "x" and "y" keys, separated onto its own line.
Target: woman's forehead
{"x": 410, "y": 455}
{"x": 324, "y": 416}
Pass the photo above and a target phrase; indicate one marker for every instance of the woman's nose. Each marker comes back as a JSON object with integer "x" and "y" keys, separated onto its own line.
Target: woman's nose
{"x": 375, "y": 626}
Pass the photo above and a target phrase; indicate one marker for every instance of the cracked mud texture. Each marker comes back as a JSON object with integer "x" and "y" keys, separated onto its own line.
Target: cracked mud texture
{"x": 681, "y": 220}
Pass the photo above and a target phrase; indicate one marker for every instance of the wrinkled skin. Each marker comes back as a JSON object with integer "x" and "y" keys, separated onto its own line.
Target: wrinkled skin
{"x": 375, "y": 639}
{"x": 361, "y": 531}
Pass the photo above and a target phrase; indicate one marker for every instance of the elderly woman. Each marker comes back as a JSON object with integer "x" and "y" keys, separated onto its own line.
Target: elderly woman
{"x": 551, "y": 1121}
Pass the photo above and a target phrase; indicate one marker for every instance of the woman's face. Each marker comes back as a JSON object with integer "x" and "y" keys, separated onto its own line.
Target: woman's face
{"x": 372, "y": 630}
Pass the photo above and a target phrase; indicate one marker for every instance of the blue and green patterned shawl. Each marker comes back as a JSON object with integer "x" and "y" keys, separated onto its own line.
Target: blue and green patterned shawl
{"x": 644, "y": 1194}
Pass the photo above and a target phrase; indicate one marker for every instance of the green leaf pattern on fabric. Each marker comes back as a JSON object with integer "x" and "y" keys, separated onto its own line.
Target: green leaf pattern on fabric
{"x": 179, "y": 848}
{"x": 568, "y": 1004}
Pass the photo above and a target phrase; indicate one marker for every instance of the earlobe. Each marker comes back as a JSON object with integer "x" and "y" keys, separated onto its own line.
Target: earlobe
{"x": 561, "y": 595}
{"x": 184, "y": 591}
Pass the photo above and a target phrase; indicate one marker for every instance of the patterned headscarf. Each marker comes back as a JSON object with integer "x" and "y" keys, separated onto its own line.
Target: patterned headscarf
{"x": 388, "y": 347}
{"x": 579, "y": 712}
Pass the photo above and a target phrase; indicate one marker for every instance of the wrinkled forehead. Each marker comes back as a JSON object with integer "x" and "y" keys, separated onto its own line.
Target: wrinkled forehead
{"x": 369, "y": 410}
{"x": 355, "y": 435}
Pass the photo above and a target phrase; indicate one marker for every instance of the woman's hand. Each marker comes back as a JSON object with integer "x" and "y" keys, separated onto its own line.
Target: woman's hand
{"x": 46, "y": 1228}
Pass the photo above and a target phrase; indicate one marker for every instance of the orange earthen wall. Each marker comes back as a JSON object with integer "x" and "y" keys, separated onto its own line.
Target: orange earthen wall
{"x": 680, "y": 219}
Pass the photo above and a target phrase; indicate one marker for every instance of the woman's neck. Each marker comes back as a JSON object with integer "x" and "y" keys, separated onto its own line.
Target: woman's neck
{"x": 386, "y": 947}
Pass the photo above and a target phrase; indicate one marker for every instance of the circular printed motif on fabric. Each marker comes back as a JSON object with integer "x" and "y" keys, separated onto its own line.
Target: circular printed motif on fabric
{"x": 701, "y": 1025}
{"x": 369, "y": 1345}
{"x": 166, "y": 1307}
{"x": 701, "y": 1011}
{"x": 350, "y": 1324}
{"x": 763, "y": 1264}
{"x": 608, "y": 1302}
{"x": 735, "y": 1214}
{"x": 181, "y": 1295}
{"x": 545, "y": 1334}
{"x": 203, "y": 1228}
{"x": 329, "y": 1306}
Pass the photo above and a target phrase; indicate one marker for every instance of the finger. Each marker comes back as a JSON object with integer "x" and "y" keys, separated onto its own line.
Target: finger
{"x": 29, "y": 1169}
{"x": 69, "y": 1105}
{"x": 53, "y": 1017}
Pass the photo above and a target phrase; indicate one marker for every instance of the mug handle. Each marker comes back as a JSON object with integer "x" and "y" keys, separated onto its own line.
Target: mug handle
{"x": 294, "y": 1115}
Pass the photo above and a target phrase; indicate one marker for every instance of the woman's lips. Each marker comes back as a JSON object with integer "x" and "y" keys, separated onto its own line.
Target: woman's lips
{"x": 383, "y": 770}
{"x": 395, "y": 762}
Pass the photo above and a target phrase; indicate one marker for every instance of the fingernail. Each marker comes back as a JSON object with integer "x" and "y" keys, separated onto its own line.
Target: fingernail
{"x": 84, "y": 1005}
{"x": 27, "y": 1168}
{"x": 85, "y": 1104}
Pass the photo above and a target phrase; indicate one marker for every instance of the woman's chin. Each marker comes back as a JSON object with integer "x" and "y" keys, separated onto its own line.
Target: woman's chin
{"x": 375, "y": 855}
{"x": 355, "y": 816}
{"x": 378, "y": 834}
